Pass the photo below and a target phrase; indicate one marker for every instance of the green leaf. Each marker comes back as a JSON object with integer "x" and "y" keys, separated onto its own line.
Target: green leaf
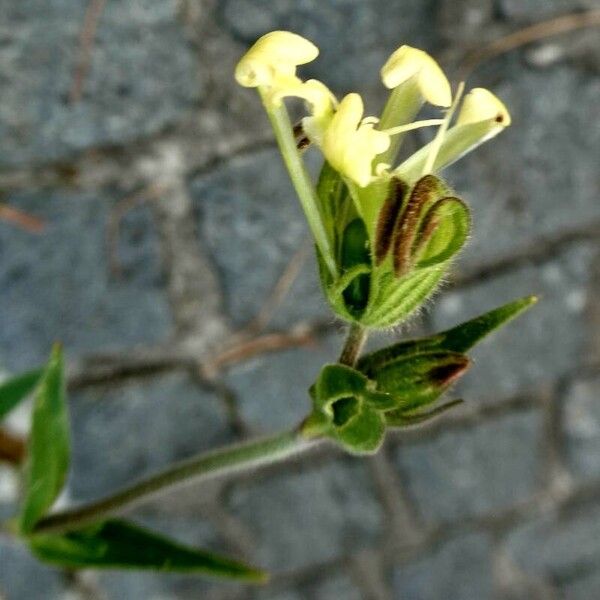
{"x": 117, "y": 544}
{"x": 16, "y": 389}
{"x": 379, "y": 400}
{"x": 336, "y": 289}
{"x": 49, "y": 447}
{"x": 399, "y": 418}
{"x": 363, "y": 432}
{"x": 417, "y": 380}
{"x": 465, "y": 336}
{"x": 396, "y": 299}
{"x": 335, "y": 382}
{"x": 330, "y": 192}
{"x": 355, "y": 251}
{"x": 346, "y": 409}
{"x": 445, "y": 230}
{"x": 458, "y": 339}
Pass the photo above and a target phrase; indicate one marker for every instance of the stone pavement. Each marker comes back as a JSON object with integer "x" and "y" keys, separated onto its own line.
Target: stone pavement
{"x": 169, "y": 219}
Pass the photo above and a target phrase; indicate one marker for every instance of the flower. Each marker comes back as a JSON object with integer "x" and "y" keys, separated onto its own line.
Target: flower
{"x": 482, "y": 116}
{"x": 481, "y": 105}
{"x": 407, "y": 62}
{"x": 273, "y": 59}
{"x": 350, "y": 143}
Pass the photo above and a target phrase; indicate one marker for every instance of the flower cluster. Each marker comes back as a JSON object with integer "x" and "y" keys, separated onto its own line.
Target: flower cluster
{"x": 349, "y": 141}
{"x": 385, "y": 233}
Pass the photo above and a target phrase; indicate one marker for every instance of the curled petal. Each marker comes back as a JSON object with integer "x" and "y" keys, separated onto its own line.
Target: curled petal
{"x": 481, "y": 105}
{"x": 407, "y": 62}
{"x": 275, "y": 54}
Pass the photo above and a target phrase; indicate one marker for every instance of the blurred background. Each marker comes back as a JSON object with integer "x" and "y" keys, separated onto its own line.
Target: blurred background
{"x": 146, "y": 222}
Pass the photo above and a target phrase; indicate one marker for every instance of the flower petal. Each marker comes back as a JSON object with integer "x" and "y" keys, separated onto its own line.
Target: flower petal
{"x": 407, "y": 62}
{"x": 274, "y": 54}
{"x": 481, "y": 105}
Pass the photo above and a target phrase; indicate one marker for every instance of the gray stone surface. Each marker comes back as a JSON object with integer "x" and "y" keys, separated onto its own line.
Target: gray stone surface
{"x": 334, "y": 586}
{"x": 560, "y": 548}
{"x": 582, "y": 588}
{"x": 306, "y": 518}
{"x": 57, "y": 285}
{"x": 39, "y": 53}
{"x": 162, "y": 70}
{"x": 355, "y": 37}
{"x": 537, "y": 9}
{"x": 252, "y": 224}
{"x": 582, "y": 427}
{"x": 541, "y": 346}
{"x": 468, "y": 472}
{"x": 272, "y": 390}
{"x": 459, "y": 569}
{"x": 520, "y": 185}
{"x": 23, "y": 577}
{"x": 123, "y": 432}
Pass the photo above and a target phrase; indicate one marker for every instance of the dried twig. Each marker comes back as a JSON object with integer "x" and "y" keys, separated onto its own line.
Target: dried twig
{"x": 21, "y": 219}
{"x": 280, "y": 290}
{"x": 527, "y": 35}
{"x": 270, "y": 342}
{"x": 12, "y": 448}
{"x": 86, "y": 46}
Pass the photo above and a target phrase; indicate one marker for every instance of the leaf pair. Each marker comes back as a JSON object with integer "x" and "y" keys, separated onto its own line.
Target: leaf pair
{"x": 395, "y": 386}
{"x": 348, "y": 409}
{"x": 355, "y": 410}
{"x": 109, "y": 543}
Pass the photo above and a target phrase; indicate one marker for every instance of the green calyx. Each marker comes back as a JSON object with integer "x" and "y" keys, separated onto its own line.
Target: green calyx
{"x": 355, "y": 410}
{"x": 393, "y": 244}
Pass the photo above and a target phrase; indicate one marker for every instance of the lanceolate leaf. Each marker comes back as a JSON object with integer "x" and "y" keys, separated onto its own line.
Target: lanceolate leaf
{"x": 465, "y": 336}
{"x": 49, "y": 447}
{"x": 16, "y": 389}
{"x": 117, "y": 544}
{"x": 458, "y": 339}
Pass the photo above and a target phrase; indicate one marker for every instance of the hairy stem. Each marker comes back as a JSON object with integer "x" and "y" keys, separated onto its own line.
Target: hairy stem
{"x": 305, "y": 189}
{"x": 209, "y": 465}
{"x": 231, "y": 459}
{"x": 357, "y": 336}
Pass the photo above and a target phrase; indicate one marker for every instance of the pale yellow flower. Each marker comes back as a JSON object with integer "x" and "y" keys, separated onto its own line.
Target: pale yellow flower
{"x": 350, "y": 143}
{"x": 407, "y": 62}
{"x": 481, "y": 105}
{"x": 272, "y": 60}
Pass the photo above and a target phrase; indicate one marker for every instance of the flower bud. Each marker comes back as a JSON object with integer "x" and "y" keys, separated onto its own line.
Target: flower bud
{"x": 387, "y": 273}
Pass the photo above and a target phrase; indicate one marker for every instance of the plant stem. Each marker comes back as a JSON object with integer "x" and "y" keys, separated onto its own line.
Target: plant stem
{"x": 231, "y": 459}
{"x": 216, "y": 463}
{"x": 357, "y": 336}
{"x": 302, "y": 183}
